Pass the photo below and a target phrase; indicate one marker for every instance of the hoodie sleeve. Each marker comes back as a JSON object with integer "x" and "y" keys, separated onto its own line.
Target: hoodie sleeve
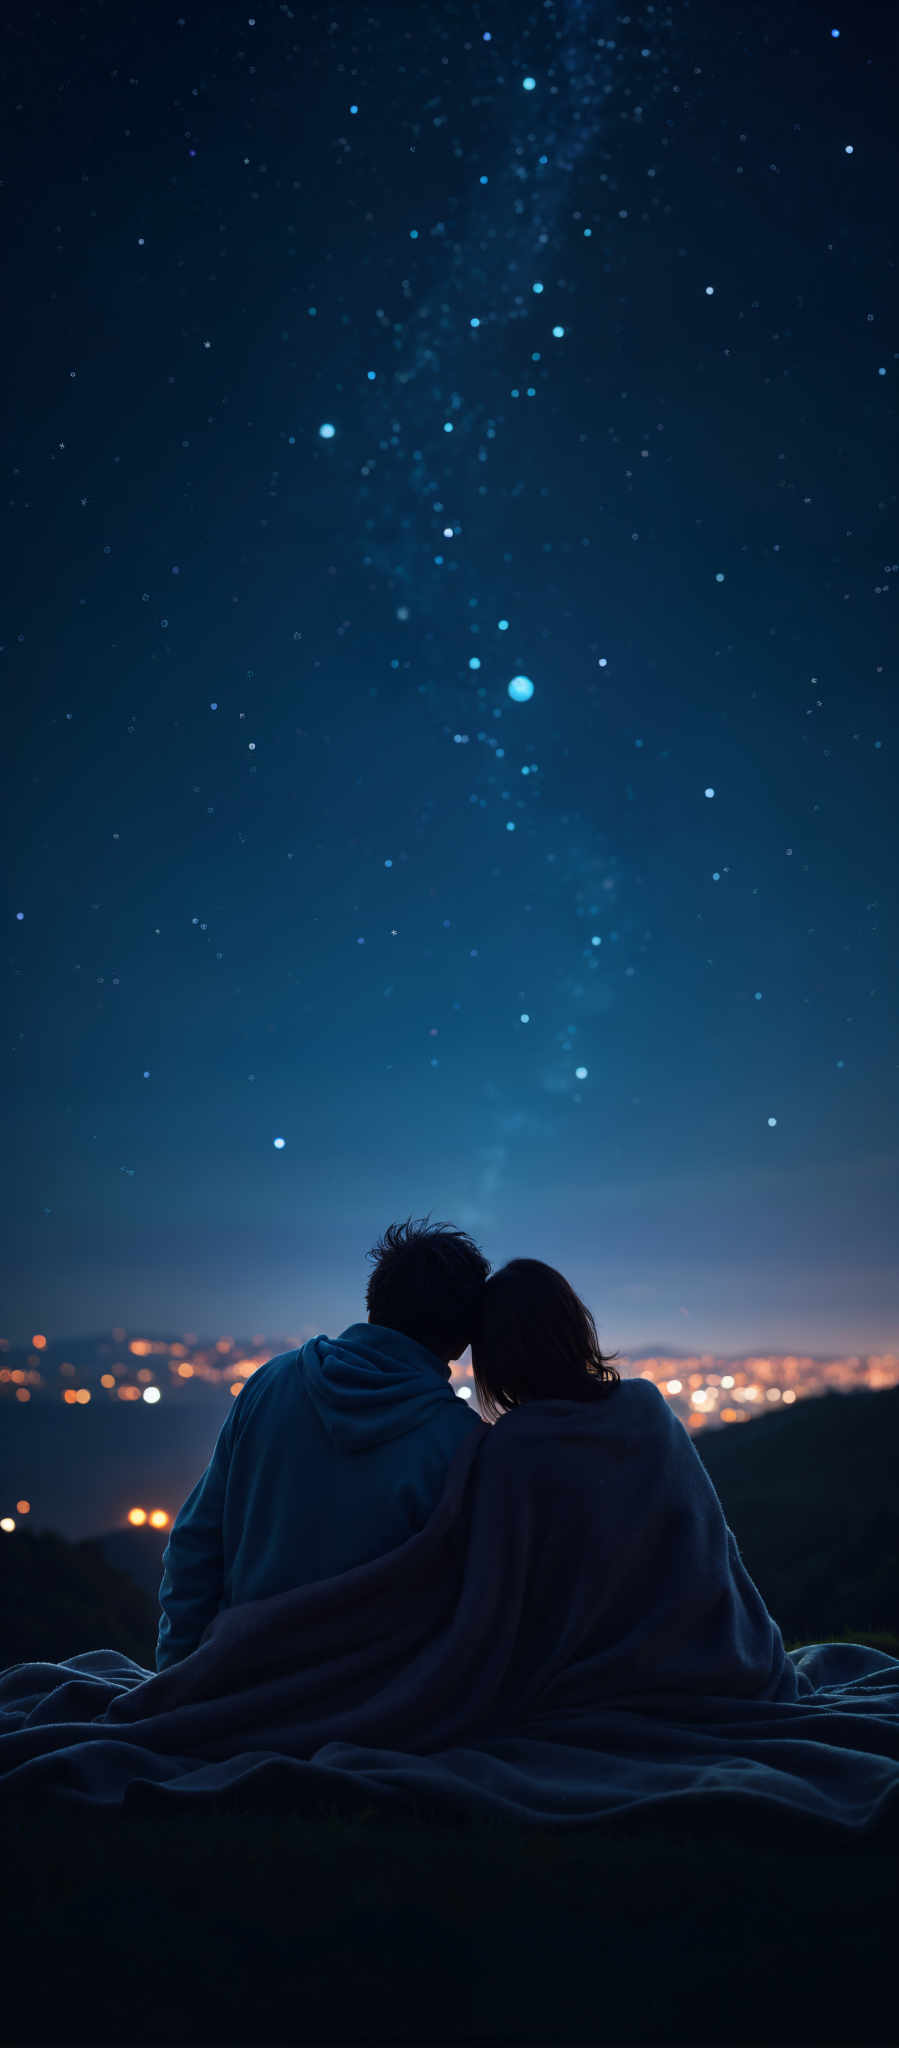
{"x": 193, "y": 1559}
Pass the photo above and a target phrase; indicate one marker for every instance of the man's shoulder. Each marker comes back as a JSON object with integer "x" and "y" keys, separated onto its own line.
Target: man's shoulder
{"x": 266, "y": 1376}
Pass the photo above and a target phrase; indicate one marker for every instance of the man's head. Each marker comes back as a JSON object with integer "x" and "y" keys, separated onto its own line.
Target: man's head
{"x": 427, "y": 1281}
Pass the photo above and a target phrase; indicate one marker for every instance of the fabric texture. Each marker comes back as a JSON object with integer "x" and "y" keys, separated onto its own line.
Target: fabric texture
{"x": 330, "y": 1456}
{"x": 572, "y": 1635}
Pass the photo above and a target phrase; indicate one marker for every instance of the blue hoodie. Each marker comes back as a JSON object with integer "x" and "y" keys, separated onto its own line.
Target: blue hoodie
{"x": 329, "y": 1457}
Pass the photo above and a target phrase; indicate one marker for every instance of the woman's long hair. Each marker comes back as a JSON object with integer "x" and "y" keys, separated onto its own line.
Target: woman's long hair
{"x": 535, "y": 1340}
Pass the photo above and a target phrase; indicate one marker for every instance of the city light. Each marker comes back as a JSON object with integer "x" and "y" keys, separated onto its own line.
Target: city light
{"x": 701, "y": 1392}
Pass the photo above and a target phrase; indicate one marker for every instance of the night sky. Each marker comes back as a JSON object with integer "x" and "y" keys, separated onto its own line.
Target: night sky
{"x": 363, "y": 361}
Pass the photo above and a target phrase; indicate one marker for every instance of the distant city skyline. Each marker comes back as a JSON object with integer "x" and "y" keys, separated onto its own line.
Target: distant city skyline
{"x": 127, "y": 1423}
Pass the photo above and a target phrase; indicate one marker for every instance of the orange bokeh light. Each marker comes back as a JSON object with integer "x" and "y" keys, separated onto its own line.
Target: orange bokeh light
{"x": 23, "y": 1507}
{"x": 137, "y": 1516}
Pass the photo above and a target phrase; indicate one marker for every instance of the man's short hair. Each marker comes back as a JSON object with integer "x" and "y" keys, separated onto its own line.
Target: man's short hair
{"x": 427, "y": 1282}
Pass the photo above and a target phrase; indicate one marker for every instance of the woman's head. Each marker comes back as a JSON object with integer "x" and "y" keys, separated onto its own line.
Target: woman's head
{"x": 535, "y": 1340}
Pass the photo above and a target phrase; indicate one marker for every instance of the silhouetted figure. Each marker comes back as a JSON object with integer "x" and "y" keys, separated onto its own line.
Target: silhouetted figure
{"x": 336, "y": 1453}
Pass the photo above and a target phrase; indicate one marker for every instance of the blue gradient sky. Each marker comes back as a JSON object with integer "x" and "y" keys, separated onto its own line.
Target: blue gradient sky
{"x": 264, "y": 881}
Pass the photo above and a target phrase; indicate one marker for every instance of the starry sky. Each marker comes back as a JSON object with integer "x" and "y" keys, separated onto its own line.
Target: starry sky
{"x": 369, "y": 359}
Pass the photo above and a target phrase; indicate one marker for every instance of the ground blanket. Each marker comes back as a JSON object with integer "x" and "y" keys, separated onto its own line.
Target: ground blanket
{"x": 572, "y": 1634}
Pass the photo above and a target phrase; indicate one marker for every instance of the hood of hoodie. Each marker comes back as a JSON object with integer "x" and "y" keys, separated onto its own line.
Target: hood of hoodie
{"x": 371, "y": 1384}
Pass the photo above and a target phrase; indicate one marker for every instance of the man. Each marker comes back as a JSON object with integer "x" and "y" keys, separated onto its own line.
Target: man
{"x": 336, "y": 1453}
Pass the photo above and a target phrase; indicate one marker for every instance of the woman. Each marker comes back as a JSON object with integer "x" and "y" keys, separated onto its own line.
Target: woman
{"x": 665, "y": 1605}
{"x": 536, "y": 1341}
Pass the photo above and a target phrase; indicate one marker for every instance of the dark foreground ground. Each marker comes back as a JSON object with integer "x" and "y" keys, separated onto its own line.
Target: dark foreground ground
{"x": 258, "y": 1929}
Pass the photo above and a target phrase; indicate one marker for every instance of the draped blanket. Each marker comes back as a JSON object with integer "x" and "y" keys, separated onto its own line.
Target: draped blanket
{"x": 572, "y": 1635}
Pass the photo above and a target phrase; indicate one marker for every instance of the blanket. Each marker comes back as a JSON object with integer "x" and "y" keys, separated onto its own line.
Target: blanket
{"x": 572, "y": 1635}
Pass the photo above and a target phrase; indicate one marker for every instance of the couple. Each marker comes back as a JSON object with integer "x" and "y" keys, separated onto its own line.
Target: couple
{"x": 337, "y": 1453}
{"x": 586, "y": 1504}
{"x": 371, "y": 1592}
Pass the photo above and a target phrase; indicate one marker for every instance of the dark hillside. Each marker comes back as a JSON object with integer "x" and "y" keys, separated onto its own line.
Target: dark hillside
{"x": 812, "y": 1496}
{"x": 57, "y": 1598}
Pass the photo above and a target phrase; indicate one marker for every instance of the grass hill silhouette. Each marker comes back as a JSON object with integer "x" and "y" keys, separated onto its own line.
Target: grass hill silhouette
{"x": 810, "y": 1493}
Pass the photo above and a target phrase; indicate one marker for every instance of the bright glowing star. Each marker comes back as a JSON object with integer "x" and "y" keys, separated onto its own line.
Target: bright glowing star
{"x": 39, "y": 1343}
{"x": 848, "y": 149}
{"x": 7, "y": 1525}
{"x": 580, "y": 1073}
{"x": 213, "y": 707}
{"x": 19, "y": 916}
{"x": 447, "y": 426}
{"x": 137, "y": 1516}
{"x": 558, "y": 332}
{"x": 537, "y": 288}
{"x": 520, "y": 689}
{"x": 388, "y": 863}
{"x": 772, "y": 1121}
{"x": 719, "y": 577}
{"x": 835, "y": 32}
{"x": 716, "y": 876}
{"x": 413, "y": 234}
{"x": 525, "y": 1017}
{"x": 709, "y": 792}
{"x": 326, "y": 431}
{"x": 151, "y": 1394}
{"x": 23, "y": 1507}
{"x": 710, "y": 291}
{"x": 529, "y": 84}
{"x": 146, "y": 1073}
{"x": 371, "y": 375}
{"x": 758, "y": 995}
{"x": 279, "y": 1144}
{"x": 159, "y": 1519}
{"x": 674, "y": 1387}
{"x": 595, "y": 941}
{"x": 447, "y": 533}
{"x": 502, "y": 625}
{"x": 474, "y": 323}
{"x": 354, "y": 110}
{"x": 474, "y": 662}
{"x": 603, "y": 661}
{"x": 510, "y": 824}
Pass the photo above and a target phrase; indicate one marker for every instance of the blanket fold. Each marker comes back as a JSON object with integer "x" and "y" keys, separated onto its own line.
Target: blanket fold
{"x": 572, "y": 1633}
